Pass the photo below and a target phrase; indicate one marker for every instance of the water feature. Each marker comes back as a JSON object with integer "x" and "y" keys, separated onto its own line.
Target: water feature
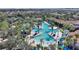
{"x": 43, "y": 33}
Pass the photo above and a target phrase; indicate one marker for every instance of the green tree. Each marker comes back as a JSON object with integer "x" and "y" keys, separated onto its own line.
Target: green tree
{"x": 4, "y": 26}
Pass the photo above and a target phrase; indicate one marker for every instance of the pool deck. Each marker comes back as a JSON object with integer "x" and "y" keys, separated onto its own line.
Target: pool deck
{"x": 43, "y": 33}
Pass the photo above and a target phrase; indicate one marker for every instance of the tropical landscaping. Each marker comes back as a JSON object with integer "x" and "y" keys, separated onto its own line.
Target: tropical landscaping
{"x": 27, "y": 29}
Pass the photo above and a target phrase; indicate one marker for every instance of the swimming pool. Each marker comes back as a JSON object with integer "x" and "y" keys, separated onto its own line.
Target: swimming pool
{"x": 44, "y": 33}
{"x": 45, "y": 37}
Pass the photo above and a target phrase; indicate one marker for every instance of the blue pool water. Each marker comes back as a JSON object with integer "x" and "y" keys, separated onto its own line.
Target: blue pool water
{"x": 44, "y": 33}
{"x": 44, "y": 36}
